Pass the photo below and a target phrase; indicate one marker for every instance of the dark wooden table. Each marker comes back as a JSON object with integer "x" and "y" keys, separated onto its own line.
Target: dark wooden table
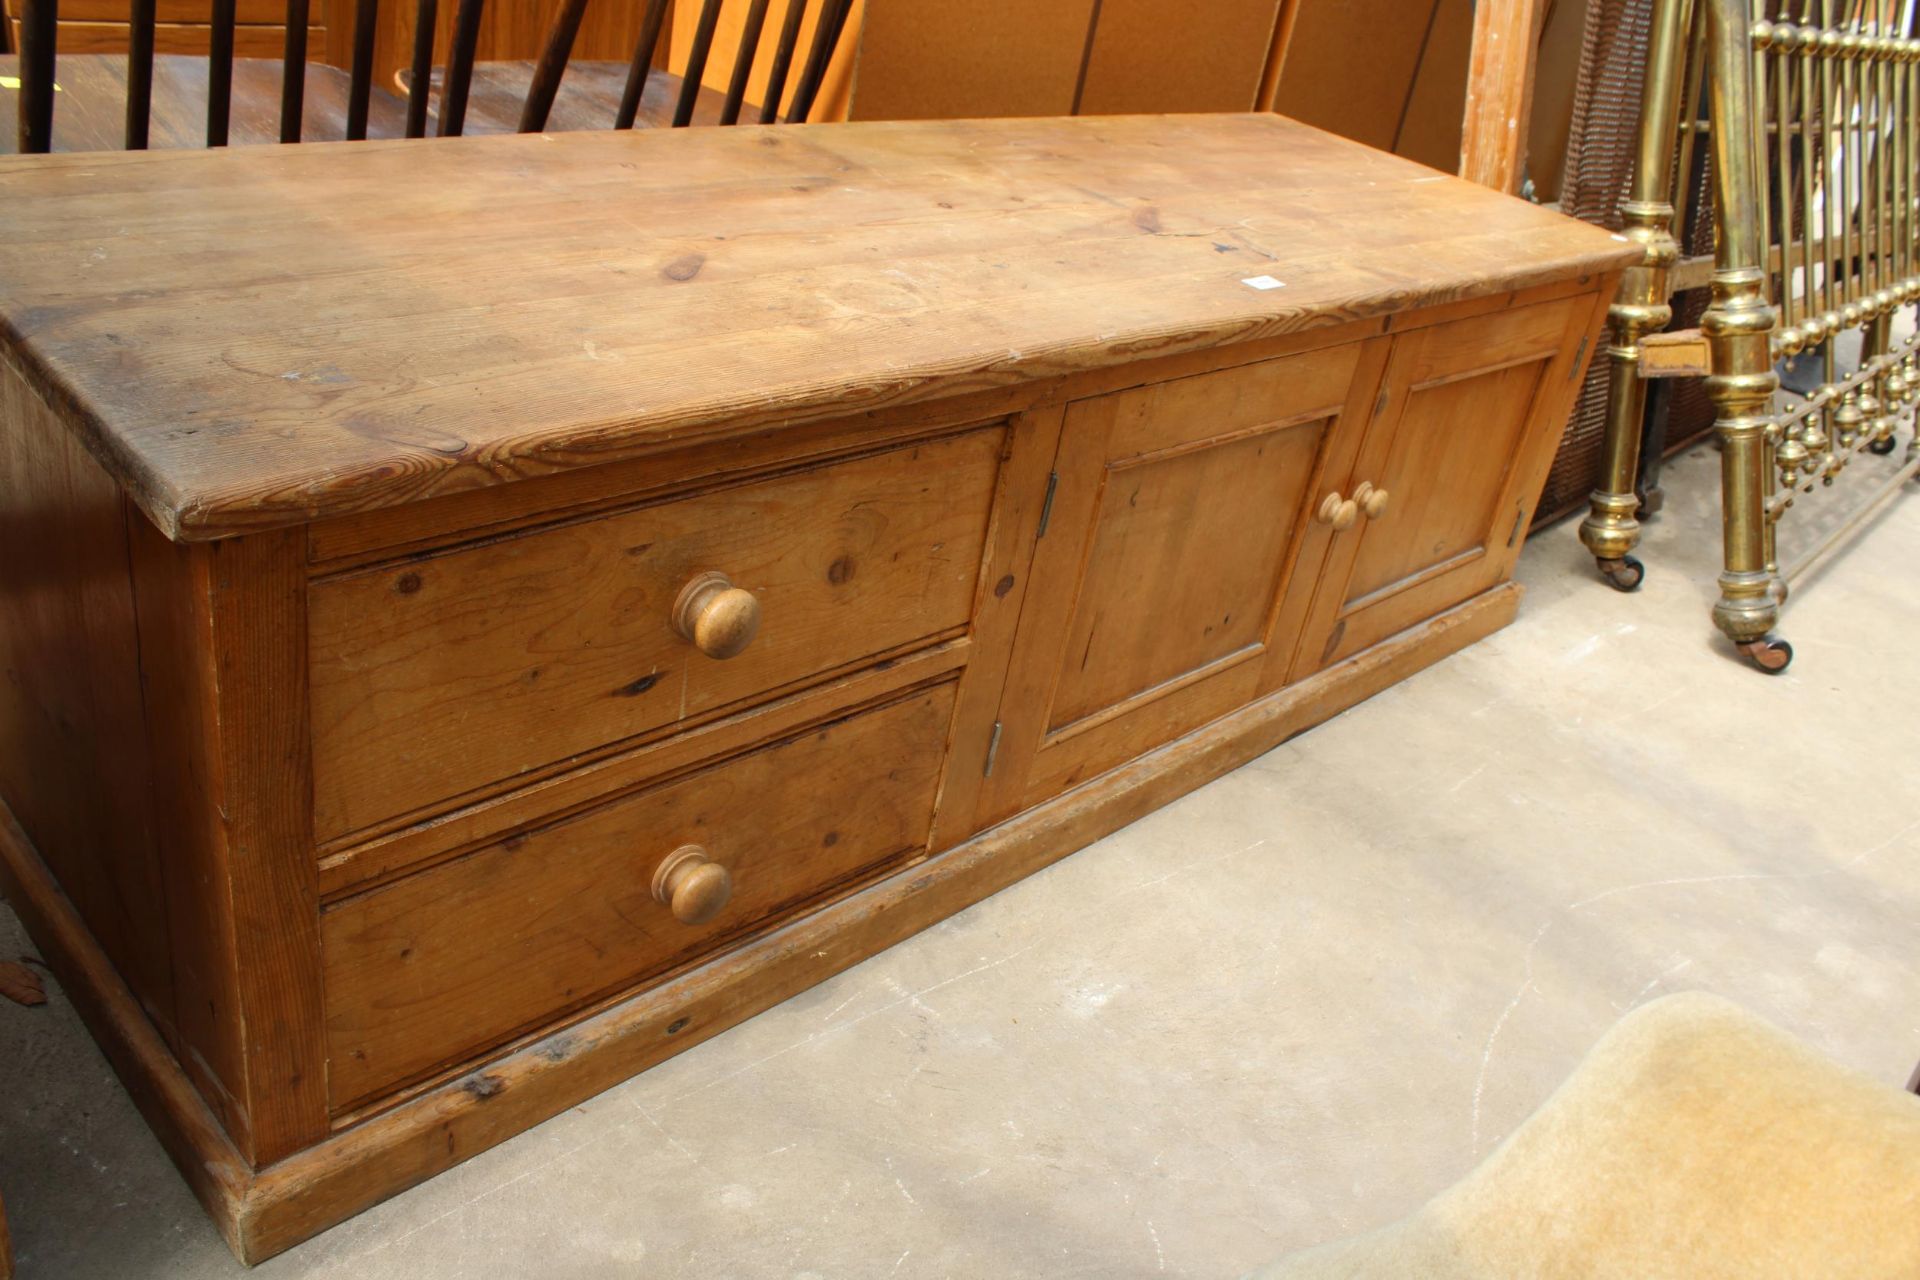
{"x": 89, "y": 112}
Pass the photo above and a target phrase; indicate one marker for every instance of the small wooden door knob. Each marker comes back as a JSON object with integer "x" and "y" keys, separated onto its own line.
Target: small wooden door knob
{"x": 1338, "y": 511}
{"x": 1373, "y": 502}
{"x": 692, "y": 885}
{"x": 716, "y": 617}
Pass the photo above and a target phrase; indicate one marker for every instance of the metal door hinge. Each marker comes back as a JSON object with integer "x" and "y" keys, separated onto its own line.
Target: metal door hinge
{"x": 1046, "y": 507}
{"x": 993, "y": 750}
{"x": 1579, "y": 354}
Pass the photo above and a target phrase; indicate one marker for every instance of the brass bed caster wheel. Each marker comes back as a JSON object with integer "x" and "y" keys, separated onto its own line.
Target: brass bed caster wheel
{"x": 1770, "y": 655}
{"x": 1881, "y": 448}
{"x": 1624, "y": 574}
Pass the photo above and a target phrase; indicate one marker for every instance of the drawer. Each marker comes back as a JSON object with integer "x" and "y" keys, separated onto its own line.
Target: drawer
{"x": 450, "y": 673}
{"x": 465, "y": 955}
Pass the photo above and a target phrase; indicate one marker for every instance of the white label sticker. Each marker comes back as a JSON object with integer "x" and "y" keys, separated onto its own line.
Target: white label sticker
{"x": 1263, "y": 282}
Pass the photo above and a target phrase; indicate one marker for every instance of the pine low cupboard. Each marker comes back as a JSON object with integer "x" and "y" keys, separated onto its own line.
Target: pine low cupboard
{"x": 479, "y": 616}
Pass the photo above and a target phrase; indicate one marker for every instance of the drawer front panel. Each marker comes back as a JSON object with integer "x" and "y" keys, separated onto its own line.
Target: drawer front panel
{"x": 465, "y": 955}
{"x": 441, "y": 675}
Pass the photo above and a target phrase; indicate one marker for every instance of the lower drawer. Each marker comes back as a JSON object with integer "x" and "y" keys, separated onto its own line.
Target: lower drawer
{"x": 465, "y": 955}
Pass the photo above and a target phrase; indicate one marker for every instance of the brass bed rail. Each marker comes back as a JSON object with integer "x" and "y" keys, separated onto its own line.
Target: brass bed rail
{"x": 1811, "y": 124}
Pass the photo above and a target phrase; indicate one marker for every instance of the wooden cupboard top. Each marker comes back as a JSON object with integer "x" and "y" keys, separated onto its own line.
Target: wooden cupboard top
{"x": 259, "y": 337}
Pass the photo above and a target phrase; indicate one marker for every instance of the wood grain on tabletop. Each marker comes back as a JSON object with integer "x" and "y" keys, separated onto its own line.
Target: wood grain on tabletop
{"x": 258, "y": 337}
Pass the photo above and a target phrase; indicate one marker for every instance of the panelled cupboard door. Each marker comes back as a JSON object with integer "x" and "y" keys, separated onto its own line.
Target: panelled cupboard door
{"x": 1448, "y": 473}
{"x": 1175, "y": 563}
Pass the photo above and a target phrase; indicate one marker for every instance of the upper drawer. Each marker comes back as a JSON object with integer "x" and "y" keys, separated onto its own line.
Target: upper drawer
{"x": 451, "y": 672}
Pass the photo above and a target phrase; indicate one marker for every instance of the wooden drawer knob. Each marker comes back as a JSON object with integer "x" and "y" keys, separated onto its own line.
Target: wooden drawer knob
{"x": 692, "y": 885}
{"x": 1338, "y": 511}
{"x": 1373, "y": 502}
{"x": 716, "y": 617}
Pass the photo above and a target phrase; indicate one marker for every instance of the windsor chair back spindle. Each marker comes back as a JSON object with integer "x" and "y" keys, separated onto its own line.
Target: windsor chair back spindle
{"x": 557, "y": 94}
{"x": 146, "y": 98}
{"x": 143, "y": 98}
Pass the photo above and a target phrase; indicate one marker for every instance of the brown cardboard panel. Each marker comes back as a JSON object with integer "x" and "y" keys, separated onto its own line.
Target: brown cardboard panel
{"x": 1351, "y": 65}
{"x": 1553, "y": 83}
{"x": 1178, "y": 55}
{"x": 962, "y": 59}
{"x": 1430, "y": 131}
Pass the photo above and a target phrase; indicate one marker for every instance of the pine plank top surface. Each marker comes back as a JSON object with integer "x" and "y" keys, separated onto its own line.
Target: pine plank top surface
{"x": 262, "y": 336}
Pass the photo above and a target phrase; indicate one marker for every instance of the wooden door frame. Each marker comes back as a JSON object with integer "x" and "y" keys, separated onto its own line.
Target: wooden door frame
{"x": 1493, "y": 131}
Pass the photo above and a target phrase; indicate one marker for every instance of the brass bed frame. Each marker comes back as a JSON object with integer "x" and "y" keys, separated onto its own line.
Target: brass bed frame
{"x": 1811, "y": 124}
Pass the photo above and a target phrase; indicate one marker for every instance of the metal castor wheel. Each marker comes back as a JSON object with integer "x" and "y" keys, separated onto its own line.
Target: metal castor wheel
{"x": 1624, "y": 574}
{"x": 1881, "y": 448}
{"x": 1770, "y": 655}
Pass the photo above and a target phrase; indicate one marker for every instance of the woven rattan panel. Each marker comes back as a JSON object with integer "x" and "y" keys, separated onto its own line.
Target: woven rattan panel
{"x": 1599, "y": 165}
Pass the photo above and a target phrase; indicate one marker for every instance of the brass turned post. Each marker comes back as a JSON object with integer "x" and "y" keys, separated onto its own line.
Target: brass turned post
{"x": 1611, "y": 529}
{"x": 1738, "y": 326}
{"x": 1812, "y": 116}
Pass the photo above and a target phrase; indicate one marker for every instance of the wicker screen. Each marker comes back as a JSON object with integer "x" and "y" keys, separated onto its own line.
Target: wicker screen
{"x": 1599, "y": 165}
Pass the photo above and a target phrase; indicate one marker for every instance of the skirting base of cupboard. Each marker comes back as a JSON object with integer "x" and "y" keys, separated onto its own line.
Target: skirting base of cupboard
{"x": 262, "y": 1213}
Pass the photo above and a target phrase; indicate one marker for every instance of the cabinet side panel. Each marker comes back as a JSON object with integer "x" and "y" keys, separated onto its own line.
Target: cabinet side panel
{"x": 73, "y": 745}
{"x": 176, "y": 644}
{"x": 258, "y": 590}
{"x": 223, "y": 632}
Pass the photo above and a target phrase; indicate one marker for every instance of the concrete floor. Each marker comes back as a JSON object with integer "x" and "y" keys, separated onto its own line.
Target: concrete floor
{"x": 1289, "y": 1007}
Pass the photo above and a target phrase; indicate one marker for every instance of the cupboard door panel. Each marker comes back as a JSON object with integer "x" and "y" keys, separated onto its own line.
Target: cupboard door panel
{"x": 1177, "y": 563}
{"x": 1442, "y": 498}
{"x": 1183, "y": 555}
{"x": 1465, "y": 411}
